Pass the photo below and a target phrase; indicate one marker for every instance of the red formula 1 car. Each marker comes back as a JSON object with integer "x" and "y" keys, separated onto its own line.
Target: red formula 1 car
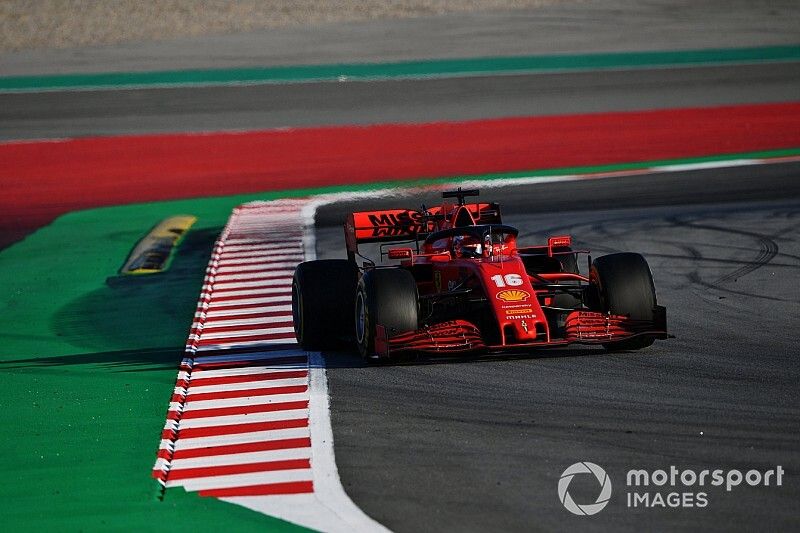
{"x": 462, "y": 284}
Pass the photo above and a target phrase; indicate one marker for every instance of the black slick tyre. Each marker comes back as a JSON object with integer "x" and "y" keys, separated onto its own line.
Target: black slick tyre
{"x": 387, "y": 297}
{"x": 624, "y": 285}
{"x": 322, "y": 302}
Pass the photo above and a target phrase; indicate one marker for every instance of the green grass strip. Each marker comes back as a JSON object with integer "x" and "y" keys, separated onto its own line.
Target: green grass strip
{"x": 435, "y": 68}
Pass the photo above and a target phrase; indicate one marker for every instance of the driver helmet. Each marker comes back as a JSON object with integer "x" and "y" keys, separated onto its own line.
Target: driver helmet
{"x": 467, "y": 246}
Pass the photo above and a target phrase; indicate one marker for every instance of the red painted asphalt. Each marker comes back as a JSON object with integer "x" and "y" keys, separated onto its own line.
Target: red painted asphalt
{"x": 41, "y": 180}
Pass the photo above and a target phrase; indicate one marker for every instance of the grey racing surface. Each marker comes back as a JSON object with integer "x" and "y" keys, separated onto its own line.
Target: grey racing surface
{"x": 117, "y": 112}
{"x": 479, "y": 444}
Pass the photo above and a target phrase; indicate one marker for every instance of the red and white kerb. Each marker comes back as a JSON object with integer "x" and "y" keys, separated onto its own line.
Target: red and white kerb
{"x": 249, "y": 419}
{"x": 238, "y": 421}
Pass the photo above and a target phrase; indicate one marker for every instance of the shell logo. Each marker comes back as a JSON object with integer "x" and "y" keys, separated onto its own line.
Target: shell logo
{"x": 513, "y": 295}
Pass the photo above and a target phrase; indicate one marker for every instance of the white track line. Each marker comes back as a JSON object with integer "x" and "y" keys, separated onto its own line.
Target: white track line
{"x": 201, "y": 405}
{"x": 245, "y": 284}
{"x": 218, "y": 323}
{"x": 234, "y": 335}
{"x": 246, "y": 371}
{"x": 242, "y": 480}
{"x": 246, "y": 344}
{"x": 259, "y": 267}
{"x": 247, "y": 385}
{"x": 281, "y": 288}
{"x": 230, "y": 420}
{"x": 263, "y": 256}
{"x": 241, "y": 438}
{"x": 248, "y": 301}
{"x": 249, "y": 310}
{"x": 259, "y": 259}
{"x": 252, "y": 356}
{"x": 281, "y": 273}
{"x": 242, "y": 458}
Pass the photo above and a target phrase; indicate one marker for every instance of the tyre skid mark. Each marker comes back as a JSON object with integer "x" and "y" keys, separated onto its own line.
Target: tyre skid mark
{"x": 768, "y": 249}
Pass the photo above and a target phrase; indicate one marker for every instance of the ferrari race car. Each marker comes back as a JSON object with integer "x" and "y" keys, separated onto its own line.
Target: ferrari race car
{"x": 460, "y": 283}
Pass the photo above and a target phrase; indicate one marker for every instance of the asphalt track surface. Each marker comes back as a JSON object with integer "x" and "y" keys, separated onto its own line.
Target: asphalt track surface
{"x": 479, "y": 444}
{"x": 116, "y": 112}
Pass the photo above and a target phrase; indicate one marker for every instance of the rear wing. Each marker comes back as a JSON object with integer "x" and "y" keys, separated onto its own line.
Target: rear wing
{"x": 393, "y": 225}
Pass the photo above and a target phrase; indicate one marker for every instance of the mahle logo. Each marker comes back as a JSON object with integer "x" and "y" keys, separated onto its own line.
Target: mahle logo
{"x": 590, "y": 508}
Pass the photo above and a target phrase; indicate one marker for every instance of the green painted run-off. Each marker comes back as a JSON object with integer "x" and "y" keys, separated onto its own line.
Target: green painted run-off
{"x": 434, "y": 68}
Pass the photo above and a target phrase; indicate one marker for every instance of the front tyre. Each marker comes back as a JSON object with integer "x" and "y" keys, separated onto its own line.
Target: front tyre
{"x": 624, "y": 286}
{"x": 322, "y": 300}
{"x": 386, "y": 297}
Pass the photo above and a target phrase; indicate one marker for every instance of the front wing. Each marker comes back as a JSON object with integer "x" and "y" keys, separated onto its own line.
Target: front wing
{"x": 461, "y": 336}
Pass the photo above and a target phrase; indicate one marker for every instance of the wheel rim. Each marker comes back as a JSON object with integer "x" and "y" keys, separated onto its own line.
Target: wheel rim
{"x": 361, "y": 318}
{"x": 297, "y": 312}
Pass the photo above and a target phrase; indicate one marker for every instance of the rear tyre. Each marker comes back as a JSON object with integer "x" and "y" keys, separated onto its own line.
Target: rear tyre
{"x": 623, "y": 285}
{"x": 387, "y": 297}
{"x": 322, "y": 302}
